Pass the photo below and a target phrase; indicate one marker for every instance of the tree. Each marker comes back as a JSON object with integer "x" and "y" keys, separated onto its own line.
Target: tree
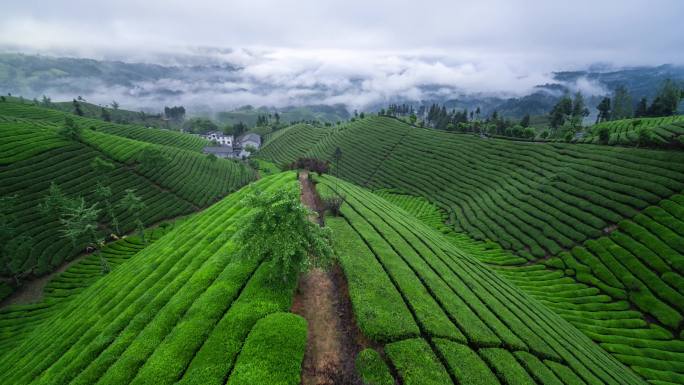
{"x": 2, "y": 99}
{"x": 175, "y": 113}
{"x": 46, "y": 101}
{"x": 77, "y": 108}
{"x": 666, "y": 102}
{"x": 55, "y": 202}
{"x": 102, "y": 168}
{"x": 115, "y": 105}
{"x": 80, "y": 223}
{"x": 134, "y": 205}
{"x": 561, "y": 111}
{"x": 251, "y": 149}
{"x": 641, "y": 109}
{"x": 622, "y": 103}
{"x": 528, "y": 133}
{"x": 525, "y": 122}
{"x": 279, "y": 231}
{"x": 70, "y": 129}
{"x": 604, "y": 110}
{"x": 579, "y": 109}
{"x": 104, "y": 114}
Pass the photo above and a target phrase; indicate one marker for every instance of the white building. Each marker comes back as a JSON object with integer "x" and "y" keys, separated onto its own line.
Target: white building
{"x": 250, "y": 139}
{"x": 219, "y": 137}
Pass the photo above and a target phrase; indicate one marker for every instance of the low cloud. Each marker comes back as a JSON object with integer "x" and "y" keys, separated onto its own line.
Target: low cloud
{"x": 355, "y": 52}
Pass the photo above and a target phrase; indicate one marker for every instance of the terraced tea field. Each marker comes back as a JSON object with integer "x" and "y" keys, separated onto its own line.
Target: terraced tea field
{"x": 16, "y": 321}
{"x": 665, "y": 131}
{"x": 458, "y": 260}
{"x": 36, "y": 156}
{"x": 439, "y": 307}
{"x": 181, "y": 310}
{"x": 593, "y": 233}
{"x": 572, "y": 287}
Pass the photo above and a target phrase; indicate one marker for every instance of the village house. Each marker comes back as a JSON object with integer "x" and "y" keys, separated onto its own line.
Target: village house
{"x": 230, "y": 148}
{"x": 219, "y": 137}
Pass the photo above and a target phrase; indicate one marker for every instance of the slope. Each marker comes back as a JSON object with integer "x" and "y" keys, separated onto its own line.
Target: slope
{"x": 182, "y": 310}
{"x": 27, "y": 111}
{"x": 179, "y": 182}
{"x": 440, "y": 316}
{"x": 290, "y": 142}
{"x": 591, "y": 290}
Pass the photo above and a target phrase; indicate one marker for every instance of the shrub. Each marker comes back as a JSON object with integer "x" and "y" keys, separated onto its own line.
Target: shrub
{"x": 372, "y": 369}
{"x": 278, "y": 229}
{"x": 312, "y": 164}
{"x": 333, "y": 204}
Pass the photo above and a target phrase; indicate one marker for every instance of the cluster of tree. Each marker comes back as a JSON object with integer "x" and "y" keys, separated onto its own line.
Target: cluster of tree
{"x": 568, "y": 112}
{"x": 312, "y": 164}
{"x": 175, "y": 113}
{"x": 236, "y": 129}
{"x": 77, "y": 107}
{"x": 199, "y": 125}
{"x": 79, "y": 221}
{"x": 621, "y": 106}
{"x": 268, "y": 120}
{"x": 398, "y": 109}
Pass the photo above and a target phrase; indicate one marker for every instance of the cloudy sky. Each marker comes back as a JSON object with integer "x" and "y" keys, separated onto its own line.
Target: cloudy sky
{"x": 382, "y": 47}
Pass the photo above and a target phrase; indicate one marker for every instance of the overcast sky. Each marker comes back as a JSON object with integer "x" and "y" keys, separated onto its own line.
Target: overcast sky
{"x": 484, "y": 45}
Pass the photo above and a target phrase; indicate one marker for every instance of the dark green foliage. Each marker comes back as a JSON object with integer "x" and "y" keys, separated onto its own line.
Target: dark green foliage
{"x": 279, "y": 230}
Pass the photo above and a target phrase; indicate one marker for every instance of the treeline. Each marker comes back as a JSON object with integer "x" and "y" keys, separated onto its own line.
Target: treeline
{"x": 621, "y": 105}
{"x": 439, "y": 117}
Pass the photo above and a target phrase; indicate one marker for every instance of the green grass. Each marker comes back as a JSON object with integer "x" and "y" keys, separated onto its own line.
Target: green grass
{"x": 17, "y": 321}
{"x": 535, "y": 199}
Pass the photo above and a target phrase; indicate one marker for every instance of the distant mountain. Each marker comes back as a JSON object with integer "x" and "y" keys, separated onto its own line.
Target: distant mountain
{"x": 213, "y": 88}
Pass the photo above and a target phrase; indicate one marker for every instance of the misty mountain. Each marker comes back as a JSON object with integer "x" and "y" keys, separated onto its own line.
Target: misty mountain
{"x": 216, "y": 88}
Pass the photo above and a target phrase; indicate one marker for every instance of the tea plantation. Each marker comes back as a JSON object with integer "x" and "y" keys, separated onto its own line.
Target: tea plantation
{"x": 458, "y": 259}
{"x": 592, "y": 232}
{"x": 34, "y": 156}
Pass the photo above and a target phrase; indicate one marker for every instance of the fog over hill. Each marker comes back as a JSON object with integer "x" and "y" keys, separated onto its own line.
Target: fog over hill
{"x": 220, "y": 80}
{"x": 212, "y": 57}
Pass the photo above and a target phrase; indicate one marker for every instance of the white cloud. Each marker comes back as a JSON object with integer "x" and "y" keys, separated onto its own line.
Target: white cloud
{"x": 355, "y": 52}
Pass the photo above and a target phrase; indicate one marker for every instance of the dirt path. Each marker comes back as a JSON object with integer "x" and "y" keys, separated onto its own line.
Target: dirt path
{"x": 323, "y": 300}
